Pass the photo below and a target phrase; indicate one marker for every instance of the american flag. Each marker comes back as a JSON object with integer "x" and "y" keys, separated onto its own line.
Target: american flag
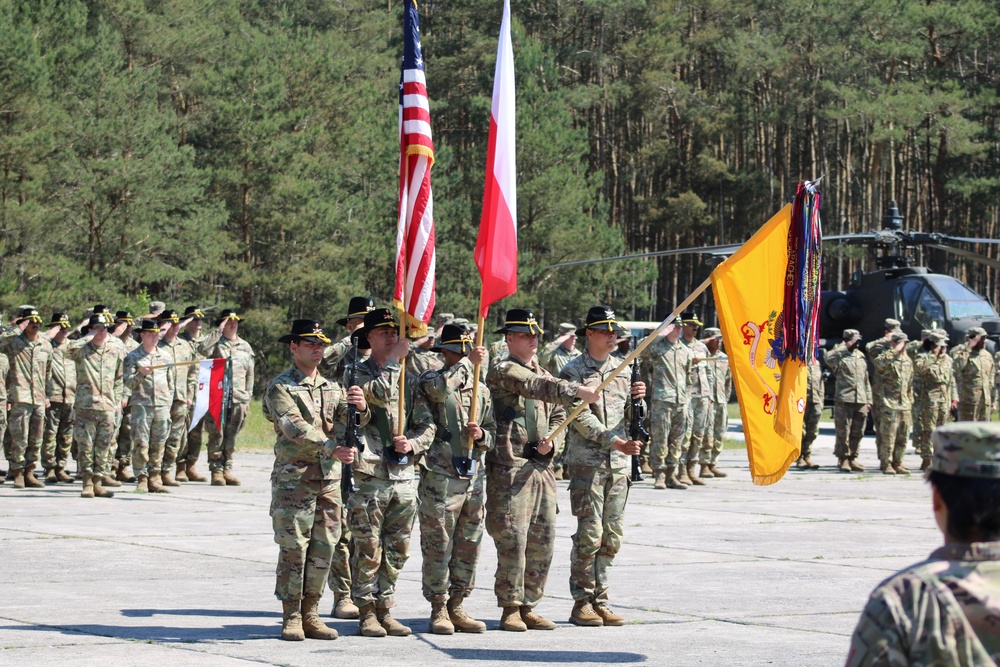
{"x": 415, "y": 256}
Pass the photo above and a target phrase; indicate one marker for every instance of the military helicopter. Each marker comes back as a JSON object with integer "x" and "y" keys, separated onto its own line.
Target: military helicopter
{"x": 916, "y": 296}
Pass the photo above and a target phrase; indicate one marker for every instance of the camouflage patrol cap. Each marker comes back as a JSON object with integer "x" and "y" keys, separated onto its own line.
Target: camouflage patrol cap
{"x": 156, "y": 307}
{"x": 924, "y": 333}
{"x": 898, "y": 337}
{"x": 972, "y": 332}
{"x": 938, "y": 337}
{"x": 710, "y": 333}
{"x": 567, "y": 328}
{"x": 851, "y": 334}
{"x": 967, "y": 449}
{"x": 891, "y": 324}
{"x": 445, "y": 318}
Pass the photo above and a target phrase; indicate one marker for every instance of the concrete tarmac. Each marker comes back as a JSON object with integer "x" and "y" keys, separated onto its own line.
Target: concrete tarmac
{"x": 726, "y": 574}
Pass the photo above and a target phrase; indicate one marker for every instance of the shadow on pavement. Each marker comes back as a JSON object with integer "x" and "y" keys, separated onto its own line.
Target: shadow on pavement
{"x": 230, "y": 613}
{"x": 160, "y": 633}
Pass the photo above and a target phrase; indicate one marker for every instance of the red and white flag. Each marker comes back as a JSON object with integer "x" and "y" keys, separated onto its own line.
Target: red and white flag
{"x": 496, "y": 246}
{"x": 213, "y": 391}
{"x": 415, "y": 257}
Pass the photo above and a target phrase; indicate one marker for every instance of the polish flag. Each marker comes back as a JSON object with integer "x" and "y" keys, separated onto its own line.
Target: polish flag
{"x": 496, "y": 246}
{"x": 214, "y": 391}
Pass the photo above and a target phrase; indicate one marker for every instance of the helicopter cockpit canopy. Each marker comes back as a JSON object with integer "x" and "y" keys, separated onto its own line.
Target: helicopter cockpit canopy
{"x": 961, "y": 301}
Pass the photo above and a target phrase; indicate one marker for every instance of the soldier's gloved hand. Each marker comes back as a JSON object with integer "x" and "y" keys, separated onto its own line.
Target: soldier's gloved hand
{"x": 638, "y": 390}
{"x": 356, "y": 397}
{"x": 544, "y": 445}
{"x": 630, "y": 447}
{"x": 401, "y": 444}
{"x": 473, "y": 429}
{"x": 477, "y": 355}
{"x": 344, "y": 454}
{"x": 587, "y": 394}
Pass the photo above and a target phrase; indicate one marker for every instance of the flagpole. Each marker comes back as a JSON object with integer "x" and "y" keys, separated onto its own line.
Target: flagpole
{"x": 179, "y": 363}
{"x": 474, "y": 407}
{"x": 632, "y": 355}
{"x": 401, "y": 403}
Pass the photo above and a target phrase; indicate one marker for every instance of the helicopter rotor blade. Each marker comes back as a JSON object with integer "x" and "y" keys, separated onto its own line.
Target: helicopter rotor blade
{"x": 967, "y": 254}
{"x": 969, "y": 240}
{"x": 715, "y": 251}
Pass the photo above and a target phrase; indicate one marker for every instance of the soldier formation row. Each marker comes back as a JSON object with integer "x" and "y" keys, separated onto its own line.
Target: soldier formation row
{"x": 113, "y": 394}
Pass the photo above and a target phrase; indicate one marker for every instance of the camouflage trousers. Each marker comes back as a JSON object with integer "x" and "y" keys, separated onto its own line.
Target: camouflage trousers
{"x": 715, "y": 429}
{"x": 123, "y": 452}
{"x": 893, "y": 432}
{"x": 94, "y": 431}
{"x": 305, "y": 516}
{"x": 381, "y": 515}
{"x": 930, "y": 415}
{"x": 150, "y": 426}
{"x": 191, "y": 439}
{"x": 521, "y": 519}
{"x": 973, "y": 408}
{"x": 597, "y": 497}
{"x": 27, "y": 426}
{"x": 810, "y": 425}
{"x": 667, "y": 422}
{"x": 694, "y": 436}
{"x": 340, "y": 568}
{"x": 849, "y": 422}
{"x": 222, "y": 445}
{"x": 57, "y": 443}
{"x": 451, "y": 531}
{"x": 178, "y": 422}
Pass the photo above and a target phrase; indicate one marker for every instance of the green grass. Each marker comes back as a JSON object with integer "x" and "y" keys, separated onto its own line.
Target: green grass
{"x": 258, "y": 433}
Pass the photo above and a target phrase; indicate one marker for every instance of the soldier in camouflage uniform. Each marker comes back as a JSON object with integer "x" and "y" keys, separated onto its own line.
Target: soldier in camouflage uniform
{"x": 191, "y": 436}
{"x": 895, "y": 372}
{"x": 874, "y": 349}
{"x": 337, "y": 357}
{"x": 306, "y": 498}
{"x": 30, "y": 356}
{"x": 57, "y": 443}
{"x": 974, "y": 373}
{"x": 852, "y": 399}
{"x": 598, "y": 462}
{"x": 555, "y": 355}
{"x": 815, "y": 396}
{"x": 451, "y": 502}
{"x": 701, "y": 381}
{"x": 184, "y": 382}
{"x": 152, "y": 396}
{"x": 4, "y": 370}
{"x": 944, "y": 610}
{"x": 668, "y": 370}
{"x": 121, "y": 456}
{"x": 226, "y": 343}
{"x": 99, "y": 367}
{"x": 422, "y": 358}
{"x": 382, "y": 512}
{"x": 933, "y": 372}
{"x": 521, "y": 488}
{"x": 718, "y": 410}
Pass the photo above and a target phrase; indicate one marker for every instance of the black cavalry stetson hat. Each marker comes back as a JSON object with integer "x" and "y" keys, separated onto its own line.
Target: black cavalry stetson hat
{"x": 193, "y": 312}
{"x": 454, "y": 338}
{"x": 375, "y": 318}
{"x": 169, "y": 316}
{"x": 28, "y": 314}
{"x": 227, "y": 314}
{"x": 520, "y": 320}
{"x": 60, "y": 320}
{"x": 148, "y": 325}
{"x": 307, "y": 330}
{"x": 124, "y": 316}
{"x": 101, "y": 309}
{"x": 96, "y": 320}
{"x": 688, "y": 318}
{"x": 357, "y": 308}
{"x": 601, "y": 318}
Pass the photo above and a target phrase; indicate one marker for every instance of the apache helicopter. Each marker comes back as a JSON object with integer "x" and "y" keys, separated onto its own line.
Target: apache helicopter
{"x": 916, "y": 296}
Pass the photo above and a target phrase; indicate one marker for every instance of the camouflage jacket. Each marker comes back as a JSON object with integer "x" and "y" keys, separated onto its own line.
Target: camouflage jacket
{"x": 512, "y": 383}
{"x": 498, "y": 352}
{"x": 336, "y": 357}
{"x": 942, "y": 611}
{"x": 816, "y": 388}
{"x": 125, "y": 345}
{"x": 99, "y": 374}
{"x": 603, "y": 422}
{"x": 214, "y": 346}
{"x": 194, "y": 343}
{"x": 874, "y": 349}
{"x": 935, "y": 377}
{"x": 851, "y": 371}
{"x": 702, "y": 373}
{"x": 722, "y": 385}
{"x": 184, "y": 379}
{"x": 30, "y": 367}
{"x": 420, "y": 360}
{"x": 554, "y": 357}
{"x": 4, "y": 371}
{"x": 668, "y": 370}
{"x": 974, "y": 374}
{"x": 303, "y": 412}
{"x": 437, "y": 386}
{"x": 381, "y": 387}
{"x": 895, "y": 372}
{"x": 62, "y": 381}
{"x": 155, "y": 389}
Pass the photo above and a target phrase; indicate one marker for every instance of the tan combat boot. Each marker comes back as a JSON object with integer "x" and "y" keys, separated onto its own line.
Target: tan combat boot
{"x": 217, "y": 478}
{"x": 62, "y": 476}
{"x": 706, "y": 471}
{"x": 694, "y": 478}
{"x": 230, "y": 478}
{"x": 807, "y": 464}
{"x": 143, "y": 485}
{"x": 181, "y": 474}
{"x": 718, "y": 473}
{"x": 125, "y": 474}
{"x": 17, "y": 477}
{"x": 108, "y": 480}
{"x": 50, "y": 476}
{"x": 193, "y": 474}
{"x": 844, "y": 465}
{"x": 511, "y": 621}
{"x": 609, "y": 617}
{"x": 925, "y": 463}
{"x": 900, "y": 469}
{"x": 167, "y": 479}
{"x": 682, "y": 474}
{"x": 392, "y": 627}
{"x": 368, "y": 625}
{"x": 440, "y": 622}
{"x": 312, "y": 625}
{"x": 535, "y": 621}
{"x": 886, "y": 468}
{"x": 155, "y": 485}
{"x": 88, "y": 486}
{"x": 30, "y": 481}
{"x": 291, "y": 618}
{"x": 583, "y": 614}
{"x": 855, "y": 466}
{"x": 460, "y": 619}
{"x": 99, "y": 490}
{"x": 672, "y": 481}
{"x": 660, "y": 482}
{"x": 343, "y": 608}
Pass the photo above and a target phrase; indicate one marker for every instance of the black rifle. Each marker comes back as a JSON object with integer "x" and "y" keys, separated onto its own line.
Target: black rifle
{"x": 352, "y": 434}
{"x": 637, "y": 429}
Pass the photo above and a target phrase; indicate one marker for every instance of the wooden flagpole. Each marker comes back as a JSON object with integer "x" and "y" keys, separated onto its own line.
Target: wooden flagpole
{"x": 474, "y": 408}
